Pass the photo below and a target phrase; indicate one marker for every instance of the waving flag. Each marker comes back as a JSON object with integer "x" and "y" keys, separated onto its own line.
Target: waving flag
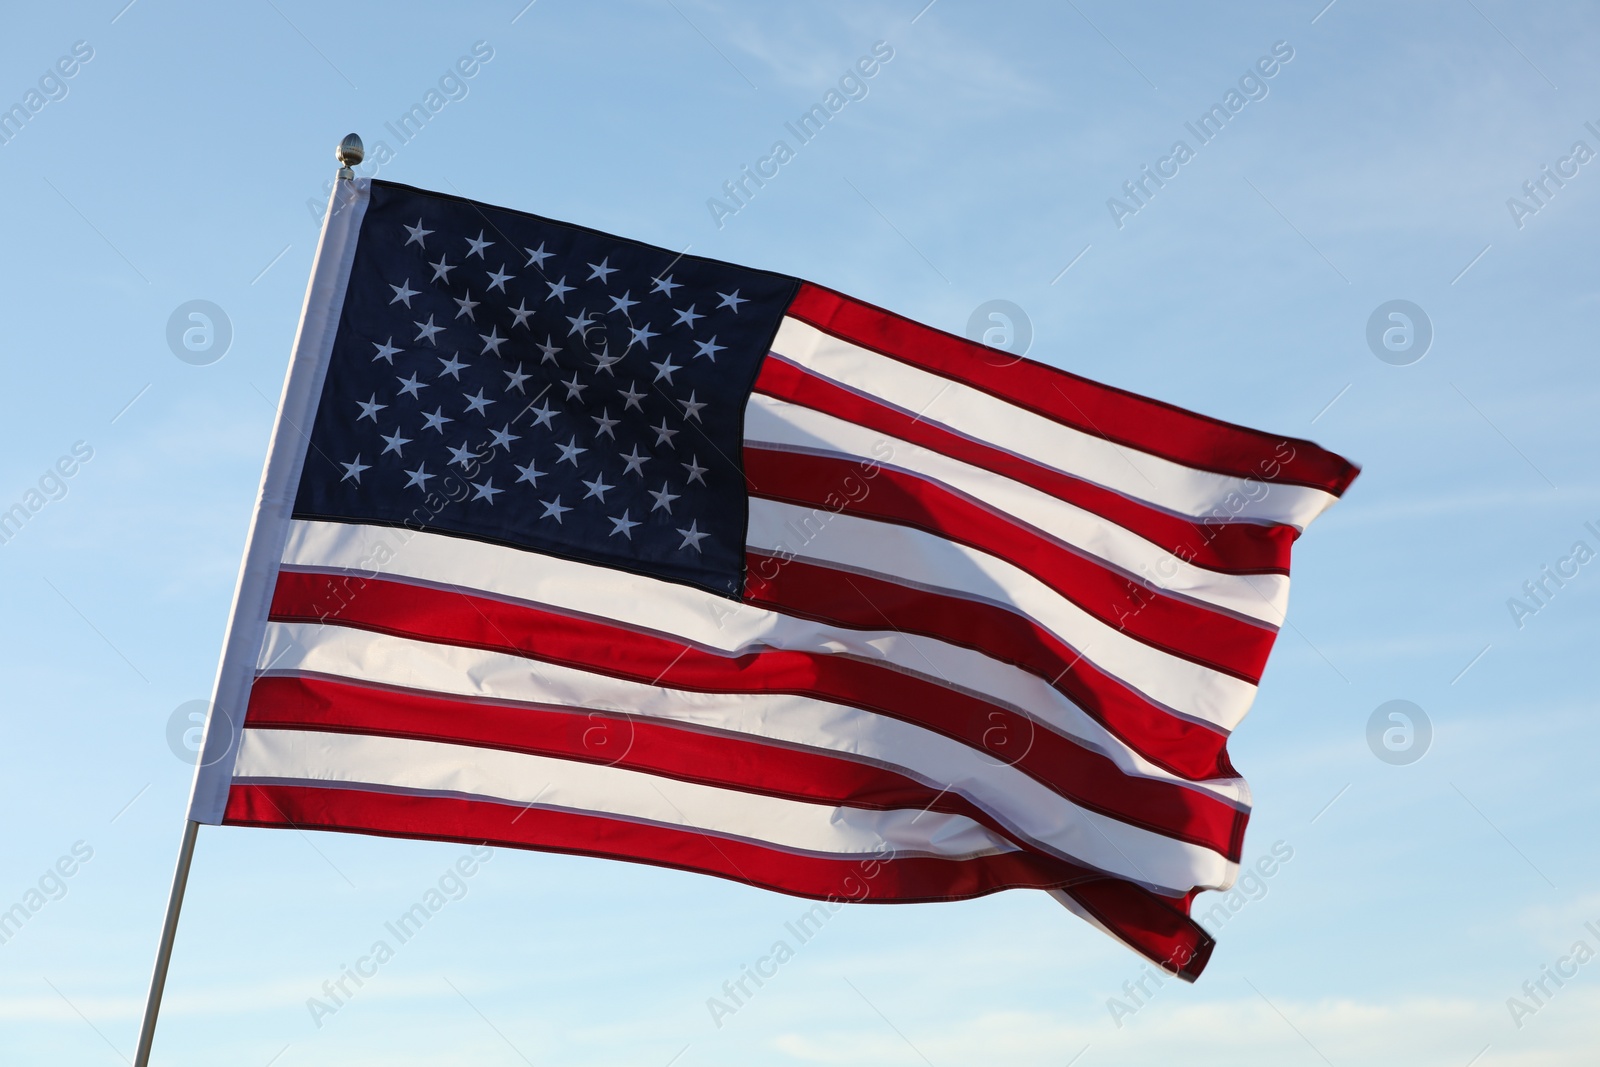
{"x": 572, "y": 543}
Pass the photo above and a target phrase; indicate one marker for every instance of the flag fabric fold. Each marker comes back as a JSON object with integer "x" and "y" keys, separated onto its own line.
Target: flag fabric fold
{"x": 572, "y": 543}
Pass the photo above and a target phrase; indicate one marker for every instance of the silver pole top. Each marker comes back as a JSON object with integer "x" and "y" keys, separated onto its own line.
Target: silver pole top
{"x": 349, "y": 153}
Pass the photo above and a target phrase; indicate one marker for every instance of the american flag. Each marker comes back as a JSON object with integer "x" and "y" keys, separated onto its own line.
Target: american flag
{"x": 572, "y": 543}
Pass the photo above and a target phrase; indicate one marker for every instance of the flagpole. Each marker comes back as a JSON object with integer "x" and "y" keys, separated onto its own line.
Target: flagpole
{"x": 169, "y": 933}
{"x": 349, "y": 153}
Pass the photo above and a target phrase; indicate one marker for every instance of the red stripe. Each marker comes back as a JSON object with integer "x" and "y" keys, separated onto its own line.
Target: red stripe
{"x": 579, "y": 734}
{"x": 1101, "y": 410}
{"x": 1231, "y": 547}
{"x": 1190, "y": 749}
{"x": 1183, "y": 628}
{"x": 614, "y": 740}
{"x": 1149, "y": 923}
{"x": 1087, "y": 778}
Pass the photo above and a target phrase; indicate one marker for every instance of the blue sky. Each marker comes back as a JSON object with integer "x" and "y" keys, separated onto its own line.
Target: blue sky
{"x": 177, "y": 163}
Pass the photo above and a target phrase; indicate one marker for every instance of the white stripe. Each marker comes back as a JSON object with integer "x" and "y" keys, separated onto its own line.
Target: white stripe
{"x": 927, "y": 561}
{"x": 778, "y": 424}
{"x": 1020, "y": 803}
{"x": 981, "y": 416}
{"x": 700, "y": 618}
{"x": 518, "y": 778}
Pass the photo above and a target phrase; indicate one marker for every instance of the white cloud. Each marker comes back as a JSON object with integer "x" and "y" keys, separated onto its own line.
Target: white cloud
{"x": 1414, "y": 1032}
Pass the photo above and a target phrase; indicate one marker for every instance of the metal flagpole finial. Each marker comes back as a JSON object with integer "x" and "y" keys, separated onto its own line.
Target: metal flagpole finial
{"x": 349, "y": 153}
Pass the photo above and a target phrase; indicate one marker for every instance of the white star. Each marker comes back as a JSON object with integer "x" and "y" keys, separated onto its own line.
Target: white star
{"x": 437, "y": 420}
{"x": 403, "y": 293}
{"x": 417, "y": 233}
{"x": 622, "y": 526}
{"x": 691, "y": 408}
{"x": 664, "y": 499}
{"x": 553, "y": 509}
{"x": 622, "y": 303}
{"x": 492, "y": 340}
{"x": 696, "y": 472}
{"x": 370, "y": 408}
{"x": 602, "y": 270}
{"x": 605, "y": 363}
{"x": 498, "y": 278}
{"x": 394, "y": 443}
{"x": 598, "y": 488}
{"x": 427, "y": 330}
{"x": 503, "y": 438}
{"x": 570, "y": 452}
{"x": 521, "y": 313}
{"x": 411, "y": 385}
{"x": 709, "y": 349}
{"x": 692, "y": 536}
{"x": 633, "y": 397}
{"x": 634, "y": 463}
{"x": 517, "y": 378}
{"x": 665, "y": 368}
{"x": 665, "y": 285}
{"x": 441, "y": 269}
{"x": 467, "y": 304}
{"x": 486, "y": 491}
{"x": 732, "y": 300}
{"x": 580, "y": 322}
{"x": 549, "y": 348}
{"x": 641, "y": 335}
{"x": 605, "y": 422}
{"x": 559, "y": 290}
{"x": 543, "y": 416}
{"x": 452, "y": 366}
{"x": 574, "y": 388}
{"x": 664, "y": 436}
{"x": 419, "y": 477}
{"x": 530, "y": 473}
{"x": 537, "y": 256}
{"x": 477, "y": 403}
{"x": 354, "y": 469}
{"x": 462, "y": 456}
{"x": 686, "y": 318}
{"x": 386, "y": 351}
{"x": 477, "y": 244}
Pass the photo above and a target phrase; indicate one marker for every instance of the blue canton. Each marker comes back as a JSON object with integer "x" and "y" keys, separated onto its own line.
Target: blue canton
{"x": 504, "y": 377}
